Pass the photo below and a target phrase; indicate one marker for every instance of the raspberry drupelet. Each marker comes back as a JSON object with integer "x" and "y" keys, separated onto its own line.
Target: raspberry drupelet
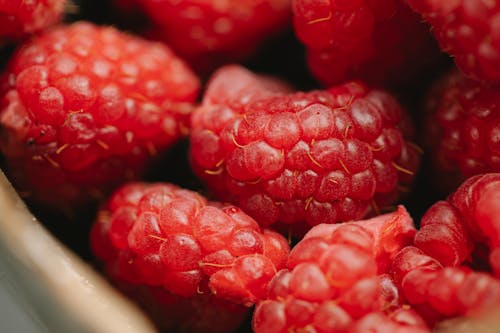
{"x": 211, "y": 33}
{"x": 171, "y": 241}
{"x": 300, "y": 158}
{"x": 379, "y": 41}
{"x": 19, "y": 18}
{"x": 468, "y": 31}
{"x": 462, "y": 127}
{"x": 84, "y": 108}
{"x": 336, "y": 281}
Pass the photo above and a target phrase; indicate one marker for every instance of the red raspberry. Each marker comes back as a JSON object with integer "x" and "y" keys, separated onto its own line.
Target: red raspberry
{"x": 335, "y": 281}
{"x": 211, "y": 33}
{"x": 302, "y": 158}
{"x": 476, "y": 201}
{"x": 443, "y": 235}
{"x": 488, "y": 219}
{"x": 463, "y": 129}
{"x": 487, "y": 212}
{"x": 400, "y": 321}
{"x": 380, "y": 41}
{"x": 458, "y": 231}
{"x": 21, "y": 17}
{"x": 387, "y": 234}
{"x": 468, "y": 31}
{"x": 159, "y": 235}
{"x": 440, "y": 293}
{"x": 84, "y": 108}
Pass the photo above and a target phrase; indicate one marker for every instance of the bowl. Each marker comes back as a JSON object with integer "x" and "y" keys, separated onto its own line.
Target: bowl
{"x": 56, "y": 289}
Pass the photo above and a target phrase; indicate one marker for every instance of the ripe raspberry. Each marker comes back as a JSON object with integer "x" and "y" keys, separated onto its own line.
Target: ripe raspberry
{"x": 463, "y": 129}
{"x": 20, "y": 17}
{"x": 400, "y": 321}
{"x": 300, "y": 158}
{"x": 488, "y": 218}
{"x": 466, "y": 199}
{"x": 443, "y": 235}
{"x": 464, "y": 229}
{"x": 440, "y": 293}
{"x": 379, "y": 41}
{"x": 84, "y": 108}
{"x": 475, "y": 200}
{"x": 468, "y": 31}
{"x": 387, "y": 234}
{"x": 335, "y": 281}
{"x": 159, "y": 235}
{"x": 212, "y": 33}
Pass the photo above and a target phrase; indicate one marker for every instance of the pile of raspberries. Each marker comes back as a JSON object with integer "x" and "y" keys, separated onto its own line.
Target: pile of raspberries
{"x": 225, "y": 199}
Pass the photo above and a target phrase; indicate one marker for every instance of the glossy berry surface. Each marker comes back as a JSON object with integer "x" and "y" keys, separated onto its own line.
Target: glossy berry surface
{"x": 212, "y": 33}
{"x": 383, "y": 236}
{"x": 462, "y": 129}
{"x": 159, "y": 235}
{"x": 366, "y": 39}
{"x": 336, "y": 281}
{"x": 84, "y": 108}
{"x": 20, "y": 17}
{"x": 468, "y": 31}
{"x": 464, "y": 230}
{"x": 300, "y": 158}
{"x": 439, "y": 292}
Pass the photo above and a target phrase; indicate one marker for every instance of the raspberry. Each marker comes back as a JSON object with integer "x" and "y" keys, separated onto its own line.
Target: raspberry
{"x": 162, "y": 236}
{"x": 466, "y": 199}
{"x": 468, "y": 31}
{"x": 476, "y": 201}
{"x": 212, "y": 33}
{"x": 19, "y": 17}
{"x": 401, "y": 321}
{"x": 300, "y": 158}
{"x": 85, "y": 108}
{"x": 234, "y": 85}
{"x": 335, "y": 281}
{"x": 444, "y": 292}
{"x": 487, "y": 216}
{"x": 443, "y": 235}
{"x": 365, "y": 39}
{"x": 386, "y": 234}
{"x": 462, "y": 125}
{"x": 487, "y": 213}
{"x": 457, "y": 231}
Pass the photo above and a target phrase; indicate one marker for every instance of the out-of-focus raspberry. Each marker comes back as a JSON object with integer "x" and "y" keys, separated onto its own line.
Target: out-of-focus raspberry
{"x": 211, "y": 33}
{"x": 19, "y": 18}
{"x": 462, "y": 129}
{"x": 468, "y": 31}
{"x": 379, "y": 41}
